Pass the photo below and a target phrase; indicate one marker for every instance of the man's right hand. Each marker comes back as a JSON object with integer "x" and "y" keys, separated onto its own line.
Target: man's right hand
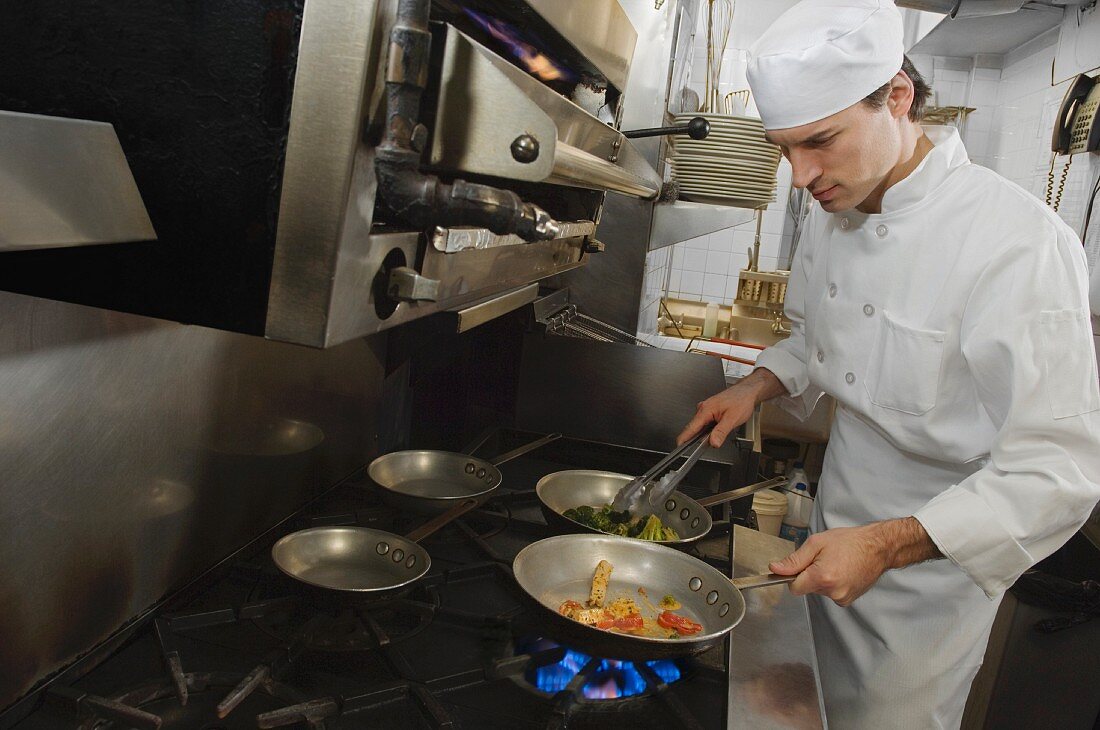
{"x": 732, "y": 407}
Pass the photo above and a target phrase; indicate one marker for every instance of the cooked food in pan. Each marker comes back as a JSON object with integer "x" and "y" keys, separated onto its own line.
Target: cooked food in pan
{"x": 624, "y": 616}
{"x": 608, "y": 520}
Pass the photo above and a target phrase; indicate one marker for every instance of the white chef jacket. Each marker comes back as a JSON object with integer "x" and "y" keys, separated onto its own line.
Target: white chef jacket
{"x": 953, "y": 330}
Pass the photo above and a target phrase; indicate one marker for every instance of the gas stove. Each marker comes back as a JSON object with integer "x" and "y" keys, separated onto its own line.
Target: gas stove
{"x": 250, "y": 647}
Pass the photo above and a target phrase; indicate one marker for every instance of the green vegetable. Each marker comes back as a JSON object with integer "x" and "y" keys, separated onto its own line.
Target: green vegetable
{"x": 607, "y": 520}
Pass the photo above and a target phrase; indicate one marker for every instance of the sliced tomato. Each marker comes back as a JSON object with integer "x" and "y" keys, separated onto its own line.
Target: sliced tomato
{"x": 633, "y": 622}
{"x": 678, "y": 623}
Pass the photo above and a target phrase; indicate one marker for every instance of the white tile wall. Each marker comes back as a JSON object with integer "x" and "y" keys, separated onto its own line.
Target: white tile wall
{"x": 1015, "y": 110}
{"x": 657, "y": 270}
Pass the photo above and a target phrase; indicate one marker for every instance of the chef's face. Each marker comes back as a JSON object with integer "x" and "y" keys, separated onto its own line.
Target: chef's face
{"x": 847, "y": 158}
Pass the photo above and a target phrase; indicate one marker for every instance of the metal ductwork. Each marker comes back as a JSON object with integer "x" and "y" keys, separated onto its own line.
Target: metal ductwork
{"x": 973, "y": 8}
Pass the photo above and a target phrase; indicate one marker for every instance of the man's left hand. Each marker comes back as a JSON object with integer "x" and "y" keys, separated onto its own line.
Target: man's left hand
{"x": 843, "y": 563}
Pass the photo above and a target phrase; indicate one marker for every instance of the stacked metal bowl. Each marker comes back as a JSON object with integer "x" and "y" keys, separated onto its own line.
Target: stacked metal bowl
{"x": 735, "y": 165}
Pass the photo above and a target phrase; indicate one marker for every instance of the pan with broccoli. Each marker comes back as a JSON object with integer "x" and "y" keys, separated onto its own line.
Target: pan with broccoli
{"x": 608, "y": 520}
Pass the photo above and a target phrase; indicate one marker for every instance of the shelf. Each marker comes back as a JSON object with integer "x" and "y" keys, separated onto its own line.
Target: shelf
{"x": 682, "y": 221}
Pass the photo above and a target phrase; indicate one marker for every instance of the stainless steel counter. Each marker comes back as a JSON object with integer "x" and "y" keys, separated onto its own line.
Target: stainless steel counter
{"x": 774, "y": 680}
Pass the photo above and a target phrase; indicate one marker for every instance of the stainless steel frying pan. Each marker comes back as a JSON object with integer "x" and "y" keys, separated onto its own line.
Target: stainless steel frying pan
{"x": 565, "y": 490}
{"x": 560, "y": 568}
{"x": 360, "y": 559}
{"x": 367, "y": 560}
{"x": 429, "y": 482}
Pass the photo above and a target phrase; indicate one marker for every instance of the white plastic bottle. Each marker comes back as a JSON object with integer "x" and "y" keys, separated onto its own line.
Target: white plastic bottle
{"x": 796, "y": 525}
{"x": 710, "y": 321}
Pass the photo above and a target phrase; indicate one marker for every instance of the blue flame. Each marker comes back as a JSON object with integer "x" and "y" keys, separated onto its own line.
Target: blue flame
{"x": 612, "y": 679}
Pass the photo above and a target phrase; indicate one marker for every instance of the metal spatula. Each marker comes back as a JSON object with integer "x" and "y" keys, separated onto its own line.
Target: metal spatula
{"x": 646, "y": 494}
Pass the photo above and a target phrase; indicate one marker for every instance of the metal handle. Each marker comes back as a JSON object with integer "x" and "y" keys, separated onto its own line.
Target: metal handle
{"x": 525, "y": 449}
{"x": 759, "y": 581}
{"x": 723, "y": 497}
{"x": 435, "y": 524}
{"x": 697, "y": 128}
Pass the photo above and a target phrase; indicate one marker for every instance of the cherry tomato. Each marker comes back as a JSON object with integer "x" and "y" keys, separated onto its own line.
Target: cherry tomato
{"x": 680, "y": 624}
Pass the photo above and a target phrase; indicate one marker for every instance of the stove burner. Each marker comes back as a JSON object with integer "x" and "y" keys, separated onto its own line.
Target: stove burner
{"x": 607, "y": 679}
{"x": 205, "y": 691}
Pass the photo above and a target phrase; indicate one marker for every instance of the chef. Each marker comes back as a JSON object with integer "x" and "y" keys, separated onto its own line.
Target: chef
{"x": 946, "y": 310}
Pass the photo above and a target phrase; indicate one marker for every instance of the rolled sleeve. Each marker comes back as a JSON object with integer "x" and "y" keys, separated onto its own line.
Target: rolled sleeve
{"x": 1035, "y": 376}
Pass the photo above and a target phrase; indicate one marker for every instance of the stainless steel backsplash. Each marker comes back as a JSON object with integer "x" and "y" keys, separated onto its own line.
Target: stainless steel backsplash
{"x": 135, "y": 453}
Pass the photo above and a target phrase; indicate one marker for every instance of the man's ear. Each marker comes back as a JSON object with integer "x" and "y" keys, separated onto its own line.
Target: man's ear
{"x": 901, "y": 95}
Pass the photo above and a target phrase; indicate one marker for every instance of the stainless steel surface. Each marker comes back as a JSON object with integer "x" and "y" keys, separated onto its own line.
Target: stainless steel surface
{"x": 337, "y": 74}
{"x": 557, "y": 569}
{"x": 358, "y": 559}
{"x": 682, "y": 220}
{"x": 453, "y": 240}
{"x": 135, "y": 453}
{"x": 599, "y": 29}
{"x": 564, "y": 490}
{"x": 774, "y": 679}
{"x": 577, "y": 167}
{"x": 426, "y": 481}
{"x": 433, "y": 481}
{"x": 574, "y": 147}
{"x": 466, "y": 277}
{"x": 482, "y": 312}
{"x": 65, "y": 182}
{"x": 406, "y": 285}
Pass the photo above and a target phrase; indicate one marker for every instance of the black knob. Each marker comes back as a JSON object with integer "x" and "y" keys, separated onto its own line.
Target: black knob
{"x": 698, "y": 128}
{"x": 525, "y": 148}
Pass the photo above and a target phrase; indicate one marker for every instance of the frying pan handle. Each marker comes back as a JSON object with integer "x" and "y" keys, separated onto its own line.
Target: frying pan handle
{"x": 759, "y": 581}
{"x": 437, "y": 523}
{"x": 723, "y": 497}
{"x": 525, "y": 449}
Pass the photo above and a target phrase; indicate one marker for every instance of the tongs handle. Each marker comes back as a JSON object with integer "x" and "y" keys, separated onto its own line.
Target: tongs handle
{"x": 665, "y": 487}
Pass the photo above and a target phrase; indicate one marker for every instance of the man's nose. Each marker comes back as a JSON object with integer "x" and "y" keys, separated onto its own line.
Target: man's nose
{"x": 804, "y": 169}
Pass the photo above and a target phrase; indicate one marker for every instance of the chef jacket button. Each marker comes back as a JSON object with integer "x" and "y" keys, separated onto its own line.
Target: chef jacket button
{"x": 868, "y": 310}
{"x": 882, "y": 231}
{"x": 844, "y": 223}
{"x": 820, "y": 356}
{"x": 832, "y": 290}
{"x": 850, "y": 378}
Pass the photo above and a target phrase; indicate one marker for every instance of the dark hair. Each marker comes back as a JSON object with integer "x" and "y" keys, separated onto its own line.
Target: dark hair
{"x": 921, "y": 92}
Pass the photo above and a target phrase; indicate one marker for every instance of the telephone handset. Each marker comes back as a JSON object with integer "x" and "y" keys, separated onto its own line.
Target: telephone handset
{"x": 1076, "y": 129}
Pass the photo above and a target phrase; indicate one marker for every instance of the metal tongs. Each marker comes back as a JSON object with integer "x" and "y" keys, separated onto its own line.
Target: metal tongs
{"x": 644, "y": 495}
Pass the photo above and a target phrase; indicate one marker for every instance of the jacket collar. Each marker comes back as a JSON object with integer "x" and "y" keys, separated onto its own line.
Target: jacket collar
{"x": 945, "y": 157}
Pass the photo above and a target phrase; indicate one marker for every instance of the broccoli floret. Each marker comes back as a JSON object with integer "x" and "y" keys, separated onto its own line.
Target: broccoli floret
{"x": 652, "y": 528}
{"x": 572, "y": 514}
{"x": 667, "y": 533}
{"x": 623, "y": 516}
{"x": 601, "y": 522}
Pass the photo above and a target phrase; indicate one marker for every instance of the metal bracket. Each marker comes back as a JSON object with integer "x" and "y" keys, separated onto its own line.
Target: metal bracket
{"x": 453, "y": 240}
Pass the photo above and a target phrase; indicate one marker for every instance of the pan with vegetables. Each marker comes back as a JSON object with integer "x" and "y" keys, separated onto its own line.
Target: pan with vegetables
{"x": 624, "y": 599}
{"x": 579, "y": 500}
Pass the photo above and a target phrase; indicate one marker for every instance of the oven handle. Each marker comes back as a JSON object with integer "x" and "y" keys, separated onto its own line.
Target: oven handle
{"x": 697, "y": 128}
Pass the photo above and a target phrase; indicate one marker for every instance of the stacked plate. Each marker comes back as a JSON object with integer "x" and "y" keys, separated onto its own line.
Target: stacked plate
{"x": 734, "y": 165}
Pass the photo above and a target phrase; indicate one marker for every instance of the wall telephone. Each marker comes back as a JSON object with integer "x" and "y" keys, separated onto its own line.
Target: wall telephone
{"x": 1076, "y": 129}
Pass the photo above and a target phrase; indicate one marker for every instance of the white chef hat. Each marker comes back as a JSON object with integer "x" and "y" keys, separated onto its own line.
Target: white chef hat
{"x": 822, "y": 56}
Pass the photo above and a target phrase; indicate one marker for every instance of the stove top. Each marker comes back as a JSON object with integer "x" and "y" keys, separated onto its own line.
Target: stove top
{"x": 249, "y": 647}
